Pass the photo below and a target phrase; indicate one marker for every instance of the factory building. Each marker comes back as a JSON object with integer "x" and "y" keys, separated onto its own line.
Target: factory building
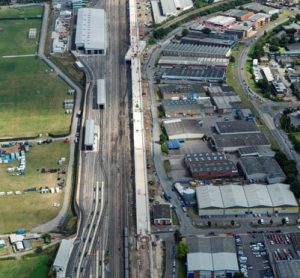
{"x": 288, "y": 268}
{"x": 191, "y": 107}
{"x": 190, "y": 50}
{"x": 89, "y": 134}
{"x": 256, "y": 7}
{"x": 210, "y": 165}
{"x": 236, "y": 127}
{"x": 91, "y": 31}
{"x": 223, "y": 90}
{"x": 181, "y": 91}
{"x": 101, "y": 94}
{"x": 220, "y": 21}
{"x": 202, "y": 74}
{"x": 258, "y": 151}
{"x": 183, "y": 129}
{"x": 232, "y": 143}
{"x": 245, "y": 199}
{"x": 265, "y": 169}
{"x": 189, "y": 39}
{"x": 193, "y": 62}
{"x": 259, "y": 20}
{"x": 211, "y": 257}
{"x": 226, "y": 104}
{"x": 240, "y": 15}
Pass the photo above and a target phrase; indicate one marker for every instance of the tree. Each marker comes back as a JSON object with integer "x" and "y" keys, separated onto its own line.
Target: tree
{"x": 164, "y": 148}
{"x": 163, "y": 138}
{"x": 184, "y": 32}
{"x": 259, "y": 221}
{"x": 232, "y": 222}
{"x": 181, "y": 251}
{"x": 232, "y": 59}
{"x": 47, "y": 238}
{"x": 271, "y": 222}
{"x": 283, "y": 221}
{"x": 209, "y": 223}
{"x": 38, "y": 250}
{"x": 238, "y": 275}
{"x": 273, "y": 48}
{"x": 297, "y": 17}
{"x": 274, "y": 17}
{"x": 206, "y": 31}
{"x": 177, "y": 236}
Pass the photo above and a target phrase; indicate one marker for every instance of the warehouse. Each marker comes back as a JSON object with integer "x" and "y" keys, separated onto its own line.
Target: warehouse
{"x": 209, "y": 257}
{"x": 182, "y": 91}
{"x": 101, "y": 94}
{"x": 240, "y": 15}
{"x": 209, "y": 200}
{"x": 207, "y": 41}
{"x": 201, "y": 74}
{"x": 259, "y": 20}
{"x": 258, "y": 199}
{"x": 245, "y": 114}
{"x": 91, "y": 31}
{"x": 283, "y": 199}
{"x": 62, "y": 257}
{"x": 177, "y": 49}
{"x": 223, "y": 90}
{"x": 265, "y": 169}
{"x": 172, "y": 61}
{"x": 89, "y": 134}
{"x": 191, "y": 107}
{"x": 256, "y": 7}
{"x": 288, "y": 268}
{"x": 231, "y": 143}
{"x": 183, "y": 129}
{"x": 220, "y": 21}
{"x": 236, "y": 199}
{"x": 226, "y": 104}
{"x": 256, "y": 151}
{"x": 241, "y": 29}
{"x": 210, "y": 165}
{"x": 236, "y": 127}
{"x": 168, "y": 8}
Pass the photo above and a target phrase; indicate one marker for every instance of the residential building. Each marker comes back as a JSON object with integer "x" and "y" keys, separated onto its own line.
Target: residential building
{"x": 211, "y": 257}
{"x": 231, "y": 143}
{"x": 265, "y": 169}
{"x": 162, "y": 214}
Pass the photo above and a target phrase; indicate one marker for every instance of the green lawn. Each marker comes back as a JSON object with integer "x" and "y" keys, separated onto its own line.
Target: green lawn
{"x": 29, "y": 266}
{"x": 31, "y": 209}
{"x": 297, "y": 136}
{"x": 32, "y": 11}
{"x": 31, "y": 99}
{"x": 14, "y": 37}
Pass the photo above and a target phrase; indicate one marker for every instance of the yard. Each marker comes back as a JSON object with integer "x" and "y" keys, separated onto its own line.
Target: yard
{"x": 28, "y": 266}
{"x": 31, "y": 209}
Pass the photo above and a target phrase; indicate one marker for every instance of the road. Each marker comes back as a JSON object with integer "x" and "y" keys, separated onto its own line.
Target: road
{"x": 98, "y": 247}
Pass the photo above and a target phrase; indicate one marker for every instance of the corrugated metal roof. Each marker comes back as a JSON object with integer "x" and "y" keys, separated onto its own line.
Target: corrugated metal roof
{"x": 209, "y": 196}
{"x": 225, "y": 261}
{"x": 257, "y": 195}
{"x": 233, "y": 196}
{"x": 199, "y": 261}
{"x": 90, "y": 29}
{"x": 63, "y": 254}
{"x": 281, "y": 195}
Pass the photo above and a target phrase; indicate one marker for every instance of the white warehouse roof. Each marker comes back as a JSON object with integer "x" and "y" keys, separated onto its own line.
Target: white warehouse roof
{"x": 221, "y": 20}
{"x": 209, "y": 197}
{"x": 168, "y": 7}
{"x": 197, "y": 261}
{"x": 233, "y": 196}
{"x": 90, "y": 29}
{"x": 281, "y": 195}
{"x": 257, "y": 195}
{"x": 225, "y": 261}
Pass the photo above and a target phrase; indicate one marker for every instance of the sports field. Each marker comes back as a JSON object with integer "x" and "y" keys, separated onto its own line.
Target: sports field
{"x": 21, "y": 12}
{"x": 31, "y": 209}
{"x": 31, "y": 95}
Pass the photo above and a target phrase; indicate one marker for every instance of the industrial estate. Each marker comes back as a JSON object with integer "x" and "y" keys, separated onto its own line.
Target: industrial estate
{"x": 150, "y": 138}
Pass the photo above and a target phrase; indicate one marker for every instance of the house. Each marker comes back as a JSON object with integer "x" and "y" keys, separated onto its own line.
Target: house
{"x": 162, "y": 214}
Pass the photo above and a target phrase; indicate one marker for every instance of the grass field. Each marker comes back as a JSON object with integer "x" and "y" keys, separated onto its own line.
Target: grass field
{"x": 31, "y": 11}
{"x": 14, "y": 37}
{"x": 29, "y": 266}
{"x": 31, "y": 99}
{"x": 31, "y": 209}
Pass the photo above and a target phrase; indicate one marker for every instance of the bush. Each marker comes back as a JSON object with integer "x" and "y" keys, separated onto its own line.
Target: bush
{"x": 164, "y": 148}
{"x": 38, "y": 250}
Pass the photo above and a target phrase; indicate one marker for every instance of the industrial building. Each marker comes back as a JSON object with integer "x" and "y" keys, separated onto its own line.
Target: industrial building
{"x": 245, "y": 114}
{"x": 89, "y": 134}
{"x": 226, "y": 104}
{"x": 189, "y": 39}
{"x": 91, "y": 31}
{"x": 220, "y": 21}
{"x": 62, "y": 258}
{"x": 259, "y": 20}
{"x": 210, "y": 165}
{"x": 101, "y": 94}
{"x": 162, "y": 214}
{"x": 265, "y": 169}
{"x": 223, "y": 90}
{"x": 256, "y": 7}
{"x": 191, "y": 107}
{"x": 278, "y": 88}
{"x": 172, "y": 7}
{"x": 211, "y": 257}
{"x": 232, "y": 143}
{"x": 258, "y": 151}
{"x": 241, "y": 29}
{"x": 233, "y": 199}
{"x": 240, "y": 15}
{"x": 201, "y": 62}
{"x": 202, "y": 74}
{"x": 183, "y": 129}
{"x": 288, "y": 268}
{"x": 182, "y": 91}
{"x": 177, "y": 49}
{"x": 236, "y": 127}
